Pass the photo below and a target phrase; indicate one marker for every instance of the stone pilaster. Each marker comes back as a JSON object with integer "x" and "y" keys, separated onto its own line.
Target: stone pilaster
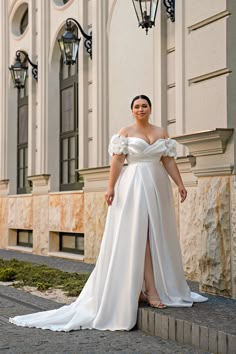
{"x": 100, "y": 83}
{"x": 160, "y": 69}
{"x": 4, "y": 75}
{"x": 85, "y": 84}
{"x": 43, "y": 62}
{"x": 180, "y": 69}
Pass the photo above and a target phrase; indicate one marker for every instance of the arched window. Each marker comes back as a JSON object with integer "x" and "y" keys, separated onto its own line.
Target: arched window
{"x": 23, "y": 185}
{"x": 24, "y": 21}
{"x": 69, "y": 139}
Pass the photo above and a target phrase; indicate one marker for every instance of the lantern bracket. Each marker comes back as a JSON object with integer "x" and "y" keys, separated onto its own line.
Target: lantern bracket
{"x": 170, "y": 8}
{"x": 34, "y": 66}
{"x": 88, "y": 37}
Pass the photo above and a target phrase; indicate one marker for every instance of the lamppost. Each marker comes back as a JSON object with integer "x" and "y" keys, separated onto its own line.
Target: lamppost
{"x": 20, "y": 68}
{"x": 69, "y": 42}
{"x": 146, "y": 11}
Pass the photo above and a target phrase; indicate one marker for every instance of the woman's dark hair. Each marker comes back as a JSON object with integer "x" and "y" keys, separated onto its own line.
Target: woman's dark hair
{"x": 144, "y": 97}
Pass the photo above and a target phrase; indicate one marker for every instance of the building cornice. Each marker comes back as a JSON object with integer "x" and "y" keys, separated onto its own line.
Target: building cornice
{"x": 208, "y": 142}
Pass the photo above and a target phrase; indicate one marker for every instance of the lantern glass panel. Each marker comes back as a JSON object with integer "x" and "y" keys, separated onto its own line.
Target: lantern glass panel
{"x": 19, "y": 77}
{"x": 154, "y": 10}
{"x": 69, "y": 51}
{"x": 146, "y": 12}
{"x": 138, "y": 10}
{"x": 146, "y": 4}
{"x": 61, "y": 45}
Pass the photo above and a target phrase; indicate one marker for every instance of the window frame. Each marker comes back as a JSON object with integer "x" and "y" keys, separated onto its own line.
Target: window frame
{"x": 65, "y": 83}
{"x": 67, "y": 249}
{"x": 24, "y": 244}
{"x": 22, "y": 100}
{"x": 23, "y": 25}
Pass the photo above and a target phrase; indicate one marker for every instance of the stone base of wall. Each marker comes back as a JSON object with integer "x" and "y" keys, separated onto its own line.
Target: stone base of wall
{"x": 207, "y": 228}
{"x": 45, "y": 214}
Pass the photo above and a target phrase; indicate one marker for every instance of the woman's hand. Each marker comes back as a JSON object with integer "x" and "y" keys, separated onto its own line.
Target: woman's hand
{"x": 110, "y": 196}
{"x": 183, "y": 193}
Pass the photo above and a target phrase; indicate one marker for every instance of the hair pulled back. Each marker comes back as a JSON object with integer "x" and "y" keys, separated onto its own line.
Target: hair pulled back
{"x": 144, "y": 97}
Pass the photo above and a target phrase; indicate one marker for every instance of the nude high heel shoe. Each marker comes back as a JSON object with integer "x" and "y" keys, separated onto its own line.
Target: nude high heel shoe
{"x": 155, "y": 302}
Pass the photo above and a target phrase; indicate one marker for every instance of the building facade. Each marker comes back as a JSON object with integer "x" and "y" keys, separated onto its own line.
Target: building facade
{"x": 54, "y": 133}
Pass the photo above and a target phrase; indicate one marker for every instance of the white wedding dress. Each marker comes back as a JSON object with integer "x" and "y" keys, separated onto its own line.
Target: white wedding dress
{"x": 143, "y": 201}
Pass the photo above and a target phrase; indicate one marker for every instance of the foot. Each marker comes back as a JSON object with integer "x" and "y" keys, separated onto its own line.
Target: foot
{"x": 142, "y": 297}
{"x": 155, "y": 301}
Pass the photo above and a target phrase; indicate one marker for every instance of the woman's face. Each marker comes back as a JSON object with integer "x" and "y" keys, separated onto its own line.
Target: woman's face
{"x": 141, "y": 109}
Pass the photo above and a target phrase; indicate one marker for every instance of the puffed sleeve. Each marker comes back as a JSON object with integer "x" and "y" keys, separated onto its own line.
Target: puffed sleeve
{"x": 118, "y": 145}
{"x": 170, "y": 145}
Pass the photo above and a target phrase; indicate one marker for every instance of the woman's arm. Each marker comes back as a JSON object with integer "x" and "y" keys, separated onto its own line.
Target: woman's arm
{"x": 117, "y": 162}
{"x": 172, "y": 169}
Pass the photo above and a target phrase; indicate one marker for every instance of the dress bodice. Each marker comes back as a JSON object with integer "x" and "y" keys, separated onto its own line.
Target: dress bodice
{"x": 139, "y": 150}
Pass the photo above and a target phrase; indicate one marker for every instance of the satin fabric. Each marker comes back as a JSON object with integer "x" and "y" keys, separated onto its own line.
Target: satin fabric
{"x": 143, "y": 201}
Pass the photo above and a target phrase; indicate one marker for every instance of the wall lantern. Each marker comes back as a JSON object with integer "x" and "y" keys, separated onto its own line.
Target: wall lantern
{"x": 20, "y": 68}
{"x": 146, "y": 11}
{"x": 69, "y": 42}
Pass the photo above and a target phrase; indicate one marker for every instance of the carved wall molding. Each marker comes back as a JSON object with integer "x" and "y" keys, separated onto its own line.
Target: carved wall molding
{"x": 41, "y": 183}
{"x": 208, "y": 142}
{"x": 209, "y": 20}
{"x": 208, "y": 76}
{"x": 95, "y": 179}
{"x": 213, "y": 170}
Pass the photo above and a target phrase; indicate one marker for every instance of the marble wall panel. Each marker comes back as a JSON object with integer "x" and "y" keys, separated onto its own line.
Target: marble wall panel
{"x": 214, "y": 220}
{"x": 66, "y": 212}
{"x": 20, "y": 212}
{"x": 190, "y": 234}
{"x": 3, "y": 222}
{"x": 40, "y": 225}
{"x": 101, "y": 207}
{"x": 95, "y": 211}
{"x": 233, "y": 232}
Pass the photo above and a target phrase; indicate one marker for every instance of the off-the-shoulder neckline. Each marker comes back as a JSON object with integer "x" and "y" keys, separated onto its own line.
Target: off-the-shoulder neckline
{"x": 136, "y": 137}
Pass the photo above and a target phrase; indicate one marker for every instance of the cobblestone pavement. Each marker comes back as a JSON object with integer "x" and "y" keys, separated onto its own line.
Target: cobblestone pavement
{"x": 15, "y": 339}
{"x": 218, "y": 312}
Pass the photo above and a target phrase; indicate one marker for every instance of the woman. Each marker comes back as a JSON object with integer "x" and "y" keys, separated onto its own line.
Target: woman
{"x": 140, "y": 249}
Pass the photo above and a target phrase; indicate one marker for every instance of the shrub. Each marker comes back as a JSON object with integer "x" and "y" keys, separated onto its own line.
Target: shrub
{"x": 42, "y": 286}
{"x": 7, "y": 274}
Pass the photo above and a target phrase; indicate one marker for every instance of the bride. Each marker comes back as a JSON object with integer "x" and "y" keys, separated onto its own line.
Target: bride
{"x": 140, "y": 256}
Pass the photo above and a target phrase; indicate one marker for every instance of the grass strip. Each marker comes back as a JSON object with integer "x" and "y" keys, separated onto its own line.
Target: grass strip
{"x": 41, "y": 277}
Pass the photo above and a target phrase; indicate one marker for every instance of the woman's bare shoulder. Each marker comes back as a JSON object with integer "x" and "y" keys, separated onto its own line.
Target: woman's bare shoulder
{"x": 125, "y": 130}
{"x": 160, "y": 131}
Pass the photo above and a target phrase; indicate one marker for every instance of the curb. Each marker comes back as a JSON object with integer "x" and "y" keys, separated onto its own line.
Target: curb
{"x": 185, "y": 332}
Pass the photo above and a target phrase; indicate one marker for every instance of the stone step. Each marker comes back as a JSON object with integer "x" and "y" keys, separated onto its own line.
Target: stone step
{"x": 209, "y": 326}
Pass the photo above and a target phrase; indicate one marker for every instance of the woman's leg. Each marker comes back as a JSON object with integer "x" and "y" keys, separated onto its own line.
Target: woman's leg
{"x": 151, "y": 291}
{"x": 148, "y": 272}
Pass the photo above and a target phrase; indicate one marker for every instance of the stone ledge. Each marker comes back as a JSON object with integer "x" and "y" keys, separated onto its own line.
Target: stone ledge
{"x": 208, "y": 142}
{"x": 20, "y": 249}
{"x": 4, "y": 187}
{"x": 217, "y": 170}
{"x": 95, "y": 179}
{"x": 185, "y": 332}
{"x": 209, "y": 326}
{"x": 40, "y": 183}
{"x": 72, "y": 256}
